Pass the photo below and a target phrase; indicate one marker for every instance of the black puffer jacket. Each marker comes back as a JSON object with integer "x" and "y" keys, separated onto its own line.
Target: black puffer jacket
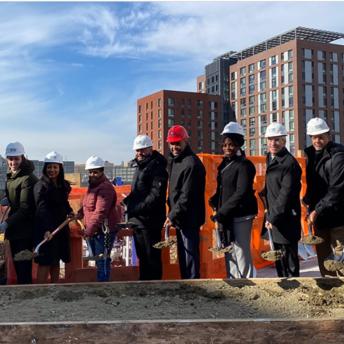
{"x": 325, "y": 184}
{"x": 234, "y": 195}
{"x": 282, "y": 193}
{"x": 186, "y": 190}
{"x": 19, "y": 192}
{"x": 147, "y": 201}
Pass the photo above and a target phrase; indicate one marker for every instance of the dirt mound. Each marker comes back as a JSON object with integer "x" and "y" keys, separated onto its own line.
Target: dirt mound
{"x": 203, "y": 299}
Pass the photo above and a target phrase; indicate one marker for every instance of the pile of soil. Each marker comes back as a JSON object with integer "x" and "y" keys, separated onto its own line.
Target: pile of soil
{"x": 203, "y": 299}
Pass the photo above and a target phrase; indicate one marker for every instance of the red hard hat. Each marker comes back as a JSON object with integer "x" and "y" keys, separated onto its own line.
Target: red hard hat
{"x": 177, "y": 133}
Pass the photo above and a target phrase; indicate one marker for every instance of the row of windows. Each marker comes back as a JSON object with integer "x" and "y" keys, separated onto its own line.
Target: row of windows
{"x": 322, "y": 55}
{"x": 273, "y": 60}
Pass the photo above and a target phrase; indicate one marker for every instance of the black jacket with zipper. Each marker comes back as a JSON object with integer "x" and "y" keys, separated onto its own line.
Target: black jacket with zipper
{"x": 186, "y": 190}
{"x": 325, "y": 184}
{"x": 234, "y": 195}
{"x": 282, "y": 194}
{"x": 147, "y": 201}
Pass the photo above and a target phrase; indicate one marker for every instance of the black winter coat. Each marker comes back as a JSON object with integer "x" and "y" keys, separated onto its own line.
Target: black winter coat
{"x": 147, "y": 201}
{"x": 186, "y": 190}
{"x": 325, "y": 184}
{"x": 52, "y": 208}
{"x": 234, "y": 195}
{"x": 282, "y": 193}
{"x": 19, "y": 192}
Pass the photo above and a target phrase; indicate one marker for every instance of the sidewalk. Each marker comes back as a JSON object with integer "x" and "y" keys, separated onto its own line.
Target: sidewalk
{"x": 308, "y": 268}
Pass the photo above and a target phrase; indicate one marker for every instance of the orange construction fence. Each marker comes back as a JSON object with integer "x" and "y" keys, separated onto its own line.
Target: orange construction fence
{"x": 212, "y": 264}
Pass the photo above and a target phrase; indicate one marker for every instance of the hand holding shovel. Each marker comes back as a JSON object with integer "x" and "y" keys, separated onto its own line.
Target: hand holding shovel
{"x": 28, "y": 255}
{"x": 310, "y": 238}
{"x": 220, "y": 245}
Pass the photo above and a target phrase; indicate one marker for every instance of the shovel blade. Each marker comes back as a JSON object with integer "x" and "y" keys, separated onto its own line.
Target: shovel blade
{"x": 272, "y": 256}
{"x": 312, "y": 240}
{"x": 23, "y": 255}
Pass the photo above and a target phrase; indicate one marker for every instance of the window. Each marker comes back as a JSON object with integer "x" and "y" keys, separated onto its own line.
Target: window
{"x": 170, "y": 101}
{"x": 170, "y": 122}
{"x": 251, "y": 83}
{"x": 273, "y": 60}
{"x": 274, "y": 100}
{"x": 252, "y": 122}
{"x": 291, "y": 99}
{"x": 262, "y": 64}
{"x": 159, "y": 113}
{"x": 170, "y": 112}
{"x": 200, "y": 103}
{"x": 251, "y": 68}
{"x": 243, "y": 123}
{"x": 242, "y": 71}
{"x": 159, "y": 102}
{"x": 233, "y": 76}
{"x": 139, "y": 108}
{"x": 290, "y": 54}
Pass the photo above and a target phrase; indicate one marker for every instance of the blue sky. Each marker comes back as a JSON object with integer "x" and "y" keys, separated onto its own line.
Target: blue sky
{"x": 70, "y": 73}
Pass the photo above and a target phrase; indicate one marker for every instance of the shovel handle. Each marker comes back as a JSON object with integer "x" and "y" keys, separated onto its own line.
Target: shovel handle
{"x": 272, "y": 246}
{"x": 63, "y": 224}
{"x": 167, "y": 232}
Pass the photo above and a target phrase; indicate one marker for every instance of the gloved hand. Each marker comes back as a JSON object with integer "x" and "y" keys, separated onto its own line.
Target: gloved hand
{"x": 3, "y": 227}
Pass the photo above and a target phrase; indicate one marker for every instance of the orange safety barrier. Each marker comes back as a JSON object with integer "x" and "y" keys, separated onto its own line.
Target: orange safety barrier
{"x": 212, "y": 264}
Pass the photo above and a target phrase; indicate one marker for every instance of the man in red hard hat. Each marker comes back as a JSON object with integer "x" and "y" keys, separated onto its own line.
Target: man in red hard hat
{"x": 185, "y": 200}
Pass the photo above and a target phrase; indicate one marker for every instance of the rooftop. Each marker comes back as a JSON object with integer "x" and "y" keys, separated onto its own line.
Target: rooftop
{"x": 301, "y": 33}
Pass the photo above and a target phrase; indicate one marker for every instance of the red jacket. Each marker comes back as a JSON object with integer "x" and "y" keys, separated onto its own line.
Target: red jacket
{"x": 99, "y": 204}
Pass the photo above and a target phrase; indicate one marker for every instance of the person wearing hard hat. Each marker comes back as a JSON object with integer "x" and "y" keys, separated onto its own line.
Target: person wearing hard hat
{"x": 19, "y": 225}
{"x": 100, "y": 216}
{"x": 324, "y": 197}
{"x": 51, "y": 194}
{"x": 146, "y": 205}
{"x": 185, "y": 200}
{"x": 282, "y": 198}
{"x": 235, "y": 202}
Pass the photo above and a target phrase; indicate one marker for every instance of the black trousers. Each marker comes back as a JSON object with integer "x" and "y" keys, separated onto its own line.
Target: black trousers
{"x": 23, "y": 268}
{"x": 288, "y": 265}
{"x": 150, "y": 258}
{"x": 188, "y": 252}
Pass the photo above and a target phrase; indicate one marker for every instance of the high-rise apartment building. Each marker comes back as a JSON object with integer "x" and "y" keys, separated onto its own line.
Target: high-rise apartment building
{"x": 289, "y": 78}
{"x": 216, "y": 81}
{"x": 199, "y": 113}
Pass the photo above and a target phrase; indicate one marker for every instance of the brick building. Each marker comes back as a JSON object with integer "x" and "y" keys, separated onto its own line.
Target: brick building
{"x": 289, "y": 78}
{"x": 199, "y": 113}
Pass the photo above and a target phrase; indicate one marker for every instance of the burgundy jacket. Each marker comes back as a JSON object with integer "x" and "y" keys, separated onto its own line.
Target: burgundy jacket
{"x": 99, "y": 204}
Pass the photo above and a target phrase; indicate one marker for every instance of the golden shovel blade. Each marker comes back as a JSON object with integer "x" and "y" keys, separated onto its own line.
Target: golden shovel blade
{"x": 312, "y": 240}
{"x": 166, "y": 243}
{"x": 272, "y": 256}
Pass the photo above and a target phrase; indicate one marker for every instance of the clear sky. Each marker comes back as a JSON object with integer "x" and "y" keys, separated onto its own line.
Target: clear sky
{"x": 70, "y": 73}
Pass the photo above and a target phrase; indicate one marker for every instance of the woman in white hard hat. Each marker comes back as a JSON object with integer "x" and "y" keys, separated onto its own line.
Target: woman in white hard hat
{"x": 325, "y": 189}
{"x": 19, "y": 225}
{"x": 51, "y": 194}
{"x": 235, "y": 201}
{"x": 100, "y": 216}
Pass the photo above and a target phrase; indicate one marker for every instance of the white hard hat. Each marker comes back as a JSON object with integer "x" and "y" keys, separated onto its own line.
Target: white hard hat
{"x": 142, "y": 141}
{"x": 15, "y": 149}
{"x": 94, "y": 162}
{"x": 275, "y": 129}
{"x": 317, "y": 126}
{"x": 53, "y": 157}
{"x": 233, "y": 128}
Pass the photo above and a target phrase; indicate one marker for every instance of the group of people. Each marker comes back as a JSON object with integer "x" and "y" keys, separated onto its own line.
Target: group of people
{"x": 37, "y": 207}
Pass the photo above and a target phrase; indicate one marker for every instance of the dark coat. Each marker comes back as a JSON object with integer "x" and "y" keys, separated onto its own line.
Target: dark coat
{"x": 186, "y": 190}
{"x": 282, "y": 194}
{"x": 147, "y": 201}
{"x": 325, "y": 184}
{"x": 234, "y": 195}
{"x": 19, "y": 192}
{"x": 52, "y": 208}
